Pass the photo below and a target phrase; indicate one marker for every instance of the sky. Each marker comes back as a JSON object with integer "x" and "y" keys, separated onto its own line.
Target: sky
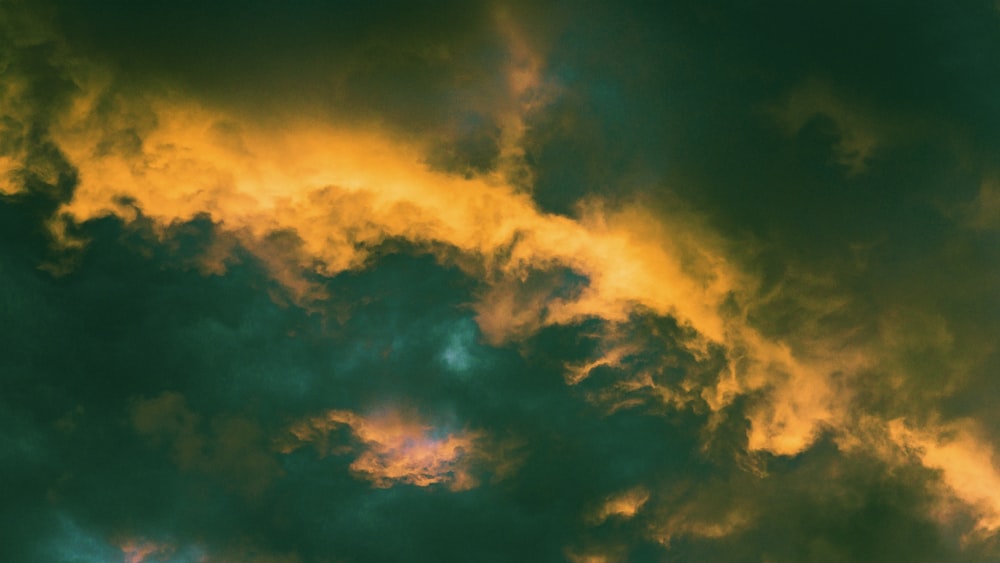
{"x": 591, "y": 282}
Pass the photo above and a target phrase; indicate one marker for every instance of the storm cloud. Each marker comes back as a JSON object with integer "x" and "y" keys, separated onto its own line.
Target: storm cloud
{"x": 499, "y": 281}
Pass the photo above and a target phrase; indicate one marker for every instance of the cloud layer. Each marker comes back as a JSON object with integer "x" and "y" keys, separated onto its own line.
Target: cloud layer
{"x": 507, "y": 282}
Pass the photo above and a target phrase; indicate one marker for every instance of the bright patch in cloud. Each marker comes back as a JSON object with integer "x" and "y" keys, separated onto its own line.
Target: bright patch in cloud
{"x": 967, "y": 464}
{"x": 144, "y": 551}
{"x": 623, "y": 505}
{"x": 394, "y": 448}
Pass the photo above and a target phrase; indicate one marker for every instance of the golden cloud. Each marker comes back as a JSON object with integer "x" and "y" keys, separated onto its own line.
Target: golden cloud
{"x": 606, "y": 554}
{"x": 624, "y": 505}
{"x": 397, "y": 448}
{"x": 967, "y": 465}
{"x": 137, "y": 550}
{"x": 311, "y": 198}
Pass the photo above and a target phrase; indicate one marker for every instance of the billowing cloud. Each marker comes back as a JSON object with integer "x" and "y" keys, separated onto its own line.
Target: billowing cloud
{"x": 309, "y": 197}
{"x": 966, "y": 462}
{"x": 334, "y": 196}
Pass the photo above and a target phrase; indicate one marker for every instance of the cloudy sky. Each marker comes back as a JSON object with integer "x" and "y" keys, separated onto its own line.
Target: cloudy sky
{"x": 688, "y": 281}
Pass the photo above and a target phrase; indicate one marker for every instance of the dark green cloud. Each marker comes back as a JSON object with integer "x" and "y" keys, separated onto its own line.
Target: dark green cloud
{"x": 842, "y": 152}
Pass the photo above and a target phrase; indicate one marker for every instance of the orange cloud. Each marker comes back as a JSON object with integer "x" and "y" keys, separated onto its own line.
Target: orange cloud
{"x": 338, "y": 192}
{"x": 624, "y": 505}
{"x": 145, "y": 551}
{"x": 967, "y": 463}
{"x": 312, "y": 198}
{"x": 603, "y": 554}
{"x": 804, "y": 399}
{"x": 575, "y": 373}
{"x": 701, "y": 519}
{"x": 398, "y": 449}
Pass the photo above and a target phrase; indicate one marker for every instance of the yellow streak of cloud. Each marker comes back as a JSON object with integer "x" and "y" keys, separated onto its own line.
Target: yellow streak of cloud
{"x": 966, "y": 462}
{"x": 624, "y": 505}
{"x": 684, "y": 523}
{"x": 341, "y": 192}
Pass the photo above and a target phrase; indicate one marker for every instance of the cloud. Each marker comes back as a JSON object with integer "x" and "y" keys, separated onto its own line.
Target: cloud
{"x": 311, "y": 199}
{"x": 33, "y": 61}
{"x": 636, "y": 320}
{"x": 858, "y": 134}
{"x": 983, "y": 213}
{"x": 967, "y": 464}
{"x": 140, "y": 551}
{"x": 341, "y": 193}
{"x": 315, "y": 198}
{"x": 713, "y": 511}
{"x": 333, "y": 195}
{"x": 234, "y": 450}
{"x": 395, "y": 448}
{"x": 624, "y": 505}
{"x": 594, "y": 555}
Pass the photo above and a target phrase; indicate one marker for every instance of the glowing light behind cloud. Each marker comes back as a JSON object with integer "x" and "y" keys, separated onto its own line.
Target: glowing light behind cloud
{"x": 396, "y": 449}
{"x": 144, "y": 551}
